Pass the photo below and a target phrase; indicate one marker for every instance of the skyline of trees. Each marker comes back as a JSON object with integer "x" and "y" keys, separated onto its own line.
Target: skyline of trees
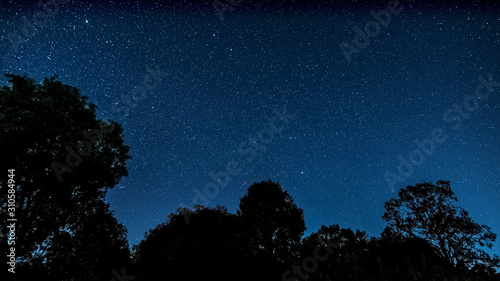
{"x": 68, "y": 159}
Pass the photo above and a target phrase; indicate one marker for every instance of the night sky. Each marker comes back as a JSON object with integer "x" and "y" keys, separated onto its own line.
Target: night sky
{"x": 280, "y": 92}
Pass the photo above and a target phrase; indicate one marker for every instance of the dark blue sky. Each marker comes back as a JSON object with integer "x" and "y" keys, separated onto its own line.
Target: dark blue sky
{"x": 206, "y": 90}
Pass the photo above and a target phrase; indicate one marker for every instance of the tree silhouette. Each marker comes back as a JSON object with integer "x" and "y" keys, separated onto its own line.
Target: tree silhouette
{"x": 206, "y": 248}
{"x": 428, "y": 211}
{"x": 273, "y": 222}
{"x": 217, "y": 245}
{"x": 86, "y": 250}
{"x": 64, "y": 161}
{"x": 344, "y": 259}
{"x": 395, "y": 257}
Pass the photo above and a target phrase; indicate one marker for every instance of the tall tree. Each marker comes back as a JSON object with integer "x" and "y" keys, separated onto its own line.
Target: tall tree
{"x": 428, "y": 211}
{"x": 64, "y": 159}
{"x": 274, "y": 223}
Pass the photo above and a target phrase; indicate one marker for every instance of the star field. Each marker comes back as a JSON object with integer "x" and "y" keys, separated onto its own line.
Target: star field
{"x": 195, "y": 94}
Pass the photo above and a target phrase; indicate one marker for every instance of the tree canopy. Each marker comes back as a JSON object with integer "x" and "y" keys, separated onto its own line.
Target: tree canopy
{"x": 274, "y": 223}
{"x": 428, "y": 210}
{"x": 64, "y": 160}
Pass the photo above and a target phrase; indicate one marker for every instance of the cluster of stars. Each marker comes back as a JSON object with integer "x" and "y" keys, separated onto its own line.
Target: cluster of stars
{"x": 221, "y": 81}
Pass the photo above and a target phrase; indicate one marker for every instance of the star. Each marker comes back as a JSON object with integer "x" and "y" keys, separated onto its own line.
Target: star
{"x": 210, "y": 111}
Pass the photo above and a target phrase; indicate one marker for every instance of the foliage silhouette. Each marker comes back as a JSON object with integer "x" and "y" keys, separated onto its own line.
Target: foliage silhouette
{"x": 65, "y": 230}
{"x": 87, "y": 251}
{"x": 40, "y": 124}
{"x": 209, "y": 247}
{"x": 346, "y": 261}
{"x": 273, "y": 223}
{"x": 428, "y": 211}
{"x": 394, "y": 257}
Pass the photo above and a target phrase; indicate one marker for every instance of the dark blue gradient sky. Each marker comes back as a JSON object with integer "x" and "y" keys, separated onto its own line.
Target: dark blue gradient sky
{"x": 210, "y": 92}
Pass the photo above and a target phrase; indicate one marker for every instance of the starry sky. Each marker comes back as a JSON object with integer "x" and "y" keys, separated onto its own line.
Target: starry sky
{"x": 327, "y": 98}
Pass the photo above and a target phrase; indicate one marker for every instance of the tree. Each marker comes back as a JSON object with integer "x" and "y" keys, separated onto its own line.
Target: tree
{"x": 64, "y": 159}
{"x": 395, "y": 257}
{"x": 87, "y": 250}
{"x": 206, "y": 248}
{"x": 344, "y": 259}
{"x": 428, "y": 211}
{"x": 274, "y": 224}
